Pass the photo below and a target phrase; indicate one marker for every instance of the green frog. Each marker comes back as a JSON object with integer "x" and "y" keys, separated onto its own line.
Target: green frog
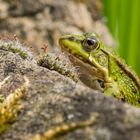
{"x": 101, "y": 68}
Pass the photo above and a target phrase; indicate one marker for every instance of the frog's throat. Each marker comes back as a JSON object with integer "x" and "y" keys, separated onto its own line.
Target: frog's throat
{"x": 93, "y": 70}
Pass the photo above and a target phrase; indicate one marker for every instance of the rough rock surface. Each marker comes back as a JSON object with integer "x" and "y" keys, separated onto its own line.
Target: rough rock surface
{"x": 52, "y": 100}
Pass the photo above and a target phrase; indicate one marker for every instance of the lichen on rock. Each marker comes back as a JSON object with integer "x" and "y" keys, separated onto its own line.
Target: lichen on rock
{"x": 11, "y": 105}
{"x": 14, "y": 46}
{"x": 58, "y": 63}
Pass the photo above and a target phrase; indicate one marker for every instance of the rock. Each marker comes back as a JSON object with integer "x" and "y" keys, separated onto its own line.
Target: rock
{"x": 53, "y": 100}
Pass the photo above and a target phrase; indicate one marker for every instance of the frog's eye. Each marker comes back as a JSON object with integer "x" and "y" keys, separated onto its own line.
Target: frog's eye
{"x": 91, "y": 44}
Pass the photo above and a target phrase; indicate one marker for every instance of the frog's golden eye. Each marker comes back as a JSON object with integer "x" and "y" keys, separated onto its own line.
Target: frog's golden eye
{"x": 91, "y": 44}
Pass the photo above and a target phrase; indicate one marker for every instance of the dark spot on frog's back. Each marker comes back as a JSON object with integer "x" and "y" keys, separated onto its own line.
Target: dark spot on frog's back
{"x": 123, "y": 97}
{"x": 133, "y": 89}
{"x": 115, "y": 79}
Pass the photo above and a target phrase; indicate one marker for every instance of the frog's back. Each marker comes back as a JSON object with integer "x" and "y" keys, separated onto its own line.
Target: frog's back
{"x": 127, "y": 81}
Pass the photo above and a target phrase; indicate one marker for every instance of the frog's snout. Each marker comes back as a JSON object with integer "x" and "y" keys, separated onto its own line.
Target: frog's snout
{"x": 66, "y": 37}
{"x": 61, "y": 40}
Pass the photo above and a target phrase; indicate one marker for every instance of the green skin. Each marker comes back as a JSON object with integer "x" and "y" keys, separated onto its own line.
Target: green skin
{"x": 101, "y": 63}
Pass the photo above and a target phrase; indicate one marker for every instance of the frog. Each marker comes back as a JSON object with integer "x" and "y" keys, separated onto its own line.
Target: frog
{"x": 100, "y": 67}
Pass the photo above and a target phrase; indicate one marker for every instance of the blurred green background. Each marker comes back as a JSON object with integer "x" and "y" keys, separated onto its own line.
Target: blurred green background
{"x": 123, "y": 20}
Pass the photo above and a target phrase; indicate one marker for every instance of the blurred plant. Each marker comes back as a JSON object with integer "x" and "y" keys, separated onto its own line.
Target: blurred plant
{"x": 123, "y": 20}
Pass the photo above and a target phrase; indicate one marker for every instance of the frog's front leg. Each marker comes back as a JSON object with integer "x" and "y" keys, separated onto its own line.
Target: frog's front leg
{"x": 111, "y": 89}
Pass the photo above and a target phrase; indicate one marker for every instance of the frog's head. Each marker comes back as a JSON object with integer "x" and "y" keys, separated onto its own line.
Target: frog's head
{"x": 82, "y": 46}
{"x": 86, "y": 51}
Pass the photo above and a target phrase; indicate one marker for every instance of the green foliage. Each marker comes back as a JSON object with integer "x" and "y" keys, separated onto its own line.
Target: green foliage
{"x": 123, "y": 19}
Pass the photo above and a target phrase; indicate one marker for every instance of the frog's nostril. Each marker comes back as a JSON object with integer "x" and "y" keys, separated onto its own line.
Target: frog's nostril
{"x": 71, "y": 38}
